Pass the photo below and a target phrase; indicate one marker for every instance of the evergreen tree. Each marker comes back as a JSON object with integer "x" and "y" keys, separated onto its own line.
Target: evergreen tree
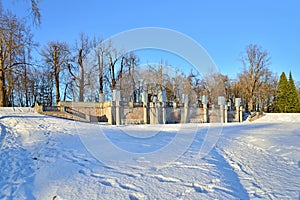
{"x": 282, "y": 94}
{"x": 293, "y": 98}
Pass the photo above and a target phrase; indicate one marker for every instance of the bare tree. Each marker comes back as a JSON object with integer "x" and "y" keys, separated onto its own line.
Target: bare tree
{"x": 43, "y": 85}
{"x": 100, "y": 52}
{"x": 267, "y": 91}
{"x": 15, "y": 44}
{"x": 113, "y": 56}
{"x": 82, "y": 49}
{"x": 256, "y": 62}
{"x": 217, "y": 84}
{"x": 131, "y": 61}
{"x": 56, "y": 55}
{"x": 35, "y": 11}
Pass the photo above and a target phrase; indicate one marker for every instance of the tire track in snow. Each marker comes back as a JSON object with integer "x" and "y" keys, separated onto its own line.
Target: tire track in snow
{"x": 234, "y": 186}
{"x": 260, "y": 171}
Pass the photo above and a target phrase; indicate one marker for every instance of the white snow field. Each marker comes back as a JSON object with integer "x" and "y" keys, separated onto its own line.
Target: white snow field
{"x": 44, "y": 157}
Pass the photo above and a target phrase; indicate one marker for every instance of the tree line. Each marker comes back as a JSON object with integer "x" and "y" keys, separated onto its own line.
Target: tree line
{"x": 89, "y": 66}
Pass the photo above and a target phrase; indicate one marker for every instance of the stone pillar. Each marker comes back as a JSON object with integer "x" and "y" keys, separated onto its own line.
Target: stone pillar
{"x": 162, "y": 98}
{"x": 205, "y": 113}
{"x": 153, "y": 114}
{"x": 118, "y": 113}
{"x": 145, "y": 113}
{"x": 116, "y": 95}
{"x": 111, "y": 114}
{"x": 145, "y": 107}
{"x": 241, "y": 114}
{"x": 158, "y": 112}
{"x": 185, "y": 109}
{"x": 221, "y": 113}
{"x": 117, "y": 106}
{"x": 237, "y": 106}
{"x": 237, "y": 113}
{"x": 164, "y": 113}
{"x": 222, "y": 103}
{"x": 204, "y": 101}
{"x": 88, "y": 117}
{"x": 226, "y": 114}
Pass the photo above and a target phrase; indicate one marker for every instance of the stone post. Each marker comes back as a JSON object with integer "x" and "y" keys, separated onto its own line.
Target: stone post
{"x": 205, "y": 110}
{"x": 88, "y": 117}
{"x": 205, "y": 113}
{"x": 118, "y": 113}
{"x": 185, "y": 117}
{"x": 221, "y": 113}
{"x": 153, "y": 114}
{"x": 221, "y": 103}
{"x": 145, "y": 105}
{"x": 111, "y": 114}
{"x": 241, "y": 114}
{"x": 237, "y": 114}
{"x": 226, "y": 114}
{"x": 164, "y": 113}
{"x": 158, "y": 112}
{"x": 237, "y": 107}
{"x": 161, "y": 112}
{"x": 116, "y": 100}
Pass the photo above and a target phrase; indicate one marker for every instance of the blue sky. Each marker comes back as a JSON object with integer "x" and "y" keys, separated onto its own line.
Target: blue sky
{"x": 223, "y": 28}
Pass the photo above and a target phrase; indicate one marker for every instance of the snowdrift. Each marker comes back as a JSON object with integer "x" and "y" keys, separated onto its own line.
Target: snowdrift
{"x": 279, "y": 118}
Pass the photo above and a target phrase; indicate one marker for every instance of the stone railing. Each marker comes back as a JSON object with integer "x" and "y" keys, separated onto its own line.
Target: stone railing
{"x": 132, "y": 121}
{"x": 196, "y": 121}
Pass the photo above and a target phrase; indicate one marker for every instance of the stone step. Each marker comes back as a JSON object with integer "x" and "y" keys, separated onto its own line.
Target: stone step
{"x": 63, "y": 115}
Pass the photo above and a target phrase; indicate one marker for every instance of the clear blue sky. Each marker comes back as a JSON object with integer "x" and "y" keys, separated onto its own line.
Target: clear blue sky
{"x": 223, "y": 28}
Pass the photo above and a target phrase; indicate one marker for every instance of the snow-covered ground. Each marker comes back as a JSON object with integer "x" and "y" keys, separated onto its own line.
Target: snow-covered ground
{"x": 43, "y": 157}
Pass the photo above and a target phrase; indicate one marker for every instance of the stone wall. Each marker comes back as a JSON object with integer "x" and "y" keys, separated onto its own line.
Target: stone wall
{"x": 118, "y": 112}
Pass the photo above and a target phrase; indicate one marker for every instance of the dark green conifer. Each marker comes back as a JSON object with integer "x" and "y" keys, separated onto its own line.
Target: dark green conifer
{"x": 293, "y": 98}
{"x": 282, "y": 94}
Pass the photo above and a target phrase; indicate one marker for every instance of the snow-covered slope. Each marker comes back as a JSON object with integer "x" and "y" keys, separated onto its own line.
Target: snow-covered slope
{"x": 279, "y": 118}
{"x": 47, "y": 158}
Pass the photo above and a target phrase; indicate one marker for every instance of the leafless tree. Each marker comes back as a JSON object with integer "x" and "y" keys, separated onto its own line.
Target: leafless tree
{"x": 82, "y": 50}
{"x": 267, "y": 91}
{"x": 216, "y": 85}
{"x": 256, "y": 62}
{"x": 99, "y": 53}
{"x": 15, "y": 43}
{"x": 113, "y": 55}
{"x": 35, "y": 11}
{"x": 131, "y": 61}
{"x": 56, "y": 54}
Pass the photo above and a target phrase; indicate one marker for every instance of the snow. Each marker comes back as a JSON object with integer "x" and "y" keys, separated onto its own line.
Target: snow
{"x": 44, "y": 157}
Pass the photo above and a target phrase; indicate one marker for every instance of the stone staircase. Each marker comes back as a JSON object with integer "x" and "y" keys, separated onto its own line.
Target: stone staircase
{"x": 62, "y": 112}
{"x": 63, "y": 115}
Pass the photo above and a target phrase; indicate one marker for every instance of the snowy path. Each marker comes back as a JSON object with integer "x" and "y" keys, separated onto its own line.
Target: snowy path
{"x": 43, "y": 158}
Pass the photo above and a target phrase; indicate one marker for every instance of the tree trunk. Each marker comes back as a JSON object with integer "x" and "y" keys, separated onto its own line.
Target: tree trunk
{"x": 251, "y": 104}
{"x": 81, "y": 86}
{"x": 2, "y": 86}
{"x": 81, "y": 80}
{"x": 100, "y": 68}
{"x": 132, "y": 79}
{"x": 56, "y": 79}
